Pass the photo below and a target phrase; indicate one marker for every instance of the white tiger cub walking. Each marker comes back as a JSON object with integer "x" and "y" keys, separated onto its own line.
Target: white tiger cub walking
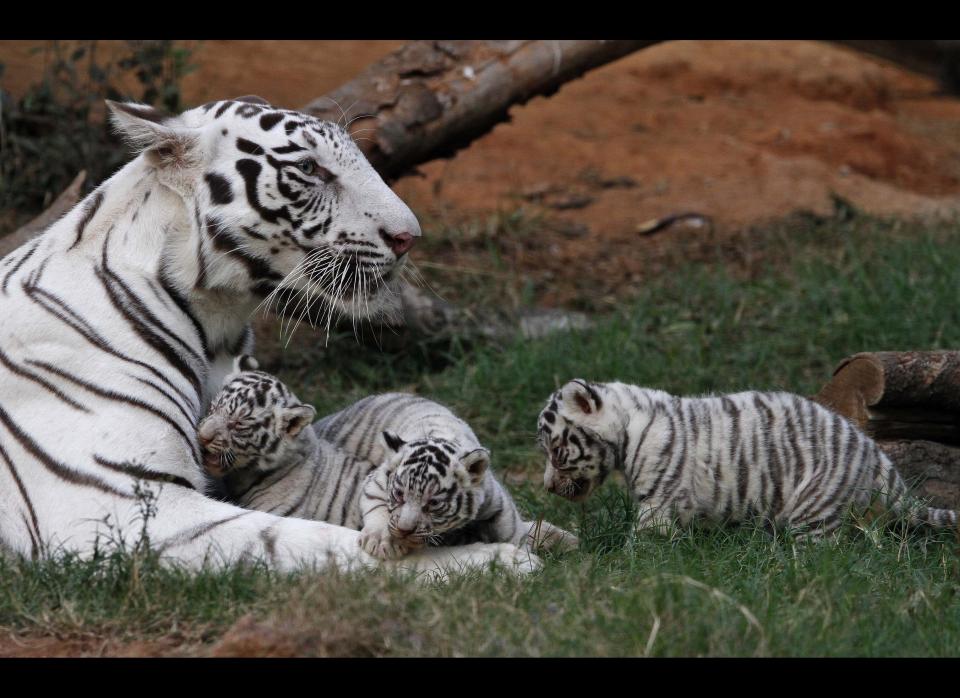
{"x": 403, "y": 469}
{"x": 773, "y": 456}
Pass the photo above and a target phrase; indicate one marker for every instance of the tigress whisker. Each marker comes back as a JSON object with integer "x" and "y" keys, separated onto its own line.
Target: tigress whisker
{"x": 303, "y": 268}
{"x": 312, "y": 299}
{"x": 347, "y": 123}
{"x": 330, "y": 307}
{"x": 358, "y": 116}
{"x": 337, "y": 104}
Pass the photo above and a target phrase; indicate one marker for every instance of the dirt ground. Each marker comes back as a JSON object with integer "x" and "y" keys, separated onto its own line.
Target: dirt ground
{"x": 13, "y": 646}
{"x": 741, "y": 131}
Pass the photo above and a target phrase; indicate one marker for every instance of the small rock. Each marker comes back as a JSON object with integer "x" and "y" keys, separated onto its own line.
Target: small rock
{"x": 538, "y": 191}
{"x": 571, "y": 201}
{"x": 570, "y": 229}
{"x": 540, "y": 323}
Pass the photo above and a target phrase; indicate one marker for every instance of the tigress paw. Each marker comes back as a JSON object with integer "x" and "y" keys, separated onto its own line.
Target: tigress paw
{"x": 517, "y": 560}
{"x": 381, "y": 545}
{"x": 439, "y": 564}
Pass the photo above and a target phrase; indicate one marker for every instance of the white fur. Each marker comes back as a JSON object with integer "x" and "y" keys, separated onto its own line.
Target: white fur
{"x": 140, "y": 238}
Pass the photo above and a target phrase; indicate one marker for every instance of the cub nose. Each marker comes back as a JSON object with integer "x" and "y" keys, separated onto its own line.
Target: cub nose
{"x": 398, "y": 242}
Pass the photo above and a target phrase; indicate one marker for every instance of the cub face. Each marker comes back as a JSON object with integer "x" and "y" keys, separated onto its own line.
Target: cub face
{"x": 570, "y": 430}
{"x": 252, "y": 422}
{"x": 434, "y": 486}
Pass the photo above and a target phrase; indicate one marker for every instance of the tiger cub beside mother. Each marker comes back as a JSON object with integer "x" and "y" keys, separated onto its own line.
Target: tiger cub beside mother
{"x": 403, "y": 469}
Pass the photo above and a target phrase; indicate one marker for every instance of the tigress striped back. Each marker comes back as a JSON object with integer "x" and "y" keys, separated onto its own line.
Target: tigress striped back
{"x": 774, "y": 456}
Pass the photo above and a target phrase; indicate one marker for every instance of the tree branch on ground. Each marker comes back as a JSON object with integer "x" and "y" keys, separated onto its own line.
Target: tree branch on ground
{"x": 428, "y": 99}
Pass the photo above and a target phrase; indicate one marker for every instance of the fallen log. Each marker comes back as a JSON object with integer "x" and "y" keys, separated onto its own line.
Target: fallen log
{"x": 910, "y": 403}
{"x": 932, "y": 468}
{"x": 911, "y": 394}
{"x": 428, "y": 99}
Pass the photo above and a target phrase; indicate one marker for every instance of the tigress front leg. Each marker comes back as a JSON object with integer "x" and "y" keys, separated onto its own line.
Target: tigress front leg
{"x": 543, "y": 534}
{"x": 191, "y": 529}
{"x": 375, "y": 538}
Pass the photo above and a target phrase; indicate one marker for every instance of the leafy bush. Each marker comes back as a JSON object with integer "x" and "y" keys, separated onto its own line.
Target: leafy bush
{"x": 58, "y": 127}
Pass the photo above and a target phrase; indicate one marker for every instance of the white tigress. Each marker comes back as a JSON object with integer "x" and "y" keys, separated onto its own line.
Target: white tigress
{"x": 117, "y": 321}
{"x": 403, "y": 469}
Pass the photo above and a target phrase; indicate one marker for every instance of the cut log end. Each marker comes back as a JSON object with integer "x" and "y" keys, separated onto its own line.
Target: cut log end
{"x": 857, "y": 383}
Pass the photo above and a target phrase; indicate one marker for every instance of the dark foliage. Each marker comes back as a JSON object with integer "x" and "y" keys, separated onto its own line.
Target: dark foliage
{"x": 58, "y": 127}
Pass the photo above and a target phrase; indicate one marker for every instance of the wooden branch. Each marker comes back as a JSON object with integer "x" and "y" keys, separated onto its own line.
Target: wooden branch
{"x": 428, "y": 99}
{"x": 939, "y": 59}
{"x": 913, "y": 394}
{"x": 63, "y": 203}
{"x": 936, "y": 467}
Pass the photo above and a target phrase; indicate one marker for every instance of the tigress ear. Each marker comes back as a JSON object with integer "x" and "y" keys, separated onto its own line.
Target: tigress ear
{"x": 148, "y": 129}
{"x": 394, "y": 442}
{"x": 579, "y": 397}
{"x": 245, "y": 362}
{"x": 295, "y": 419}
{"x": 476, "y": 462}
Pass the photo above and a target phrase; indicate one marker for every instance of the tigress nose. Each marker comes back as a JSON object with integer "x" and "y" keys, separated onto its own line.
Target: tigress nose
{"x": 398, "y": 242}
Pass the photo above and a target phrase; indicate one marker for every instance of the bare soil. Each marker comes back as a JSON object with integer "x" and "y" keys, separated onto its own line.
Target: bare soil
{"x": 741, "y": 131}
{"x": 16, "y": 645}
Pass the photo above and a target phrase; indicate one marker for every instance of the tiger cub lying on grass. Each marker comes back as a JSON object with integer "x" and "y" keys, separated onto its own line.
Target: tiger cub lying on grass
{"x": 403, "y": 470}
{"x": 773, "y": 456}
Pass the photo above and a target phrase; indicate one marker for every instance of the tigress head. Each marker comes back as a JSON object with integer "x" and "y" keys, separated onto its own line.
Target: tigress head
{"x": 253, "y": 423}
{"x": 279, "y": 202}
{"x": 579, "y": 432}
{"x": 434, "y": 486}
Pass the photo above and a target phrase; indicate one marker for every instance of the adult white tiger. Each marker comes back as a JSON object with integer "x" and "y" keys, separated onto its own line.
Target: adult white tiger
{"x": 118, "y": 320}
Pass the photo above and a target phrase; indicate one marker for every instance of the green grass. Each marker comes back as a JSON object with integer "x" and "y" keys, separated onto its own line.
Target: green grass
{"x": 846, "y": 287}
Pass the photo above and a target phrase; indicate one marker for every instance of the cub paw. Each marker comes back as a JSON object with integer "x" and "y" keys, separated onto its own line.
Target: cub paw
{"x": 381, "y": 545}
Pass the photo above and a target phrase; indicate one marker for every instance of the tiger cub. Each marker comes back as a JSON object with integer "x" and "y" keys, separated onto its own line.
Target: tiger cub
{"x": 426, "y": 480}
{"x": 773, "y": 456}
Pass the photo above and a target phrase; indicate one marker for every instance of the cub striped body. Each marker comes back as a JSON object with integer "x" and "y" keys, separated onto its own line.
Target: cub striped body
{"x": 773, "y": 456}
{"x": 403, "y": 469}
{"x": 434, "y": 483}
{"x": 258, "y": 446}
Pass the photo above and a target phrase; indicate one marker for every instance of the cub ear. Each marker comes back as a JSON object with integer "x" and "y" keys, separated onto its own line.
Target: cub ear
{"x": 476, "y": 462}
{"x": 394, "y": 442}
{"x": 148, "y": 129}
{"x": 579, "y": 397}
{"x": 295, "y": 419}
{"x": 245, "y": 362}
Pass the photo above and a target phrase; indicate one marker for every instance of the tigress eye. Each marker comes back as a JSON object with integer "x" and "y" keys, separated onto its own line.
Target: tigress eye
{"x": 307, "y": 166}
